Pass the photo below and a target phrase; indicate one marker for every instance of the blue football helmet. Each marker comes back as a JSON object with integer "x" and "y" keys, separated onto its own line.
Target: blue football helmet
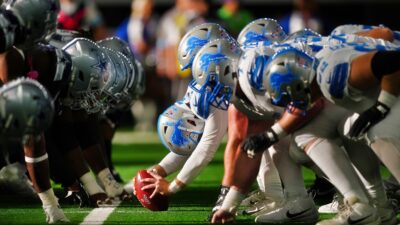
{"x": 261, "y": 30}
{"x": 289, "y": 76}
{"x": 252, "y": 72}
{"x": 179, "y": 129}
{"x": 214, "y": 71}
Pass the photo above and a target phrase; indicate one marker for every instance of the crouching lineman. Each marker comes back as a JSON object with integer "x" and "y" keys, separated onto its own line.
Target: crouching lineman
{"x": 75, "y": 131}
{"x": 27, "y": 107}
{"x": 349, "y": 187}
{"x": 353, "y": 196}
{"x": 204, "y": 105}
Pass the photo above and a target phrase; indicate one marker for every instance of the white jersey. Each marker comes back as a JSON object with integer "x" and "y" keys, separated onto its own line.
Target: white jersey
{"x": 352, "y": 29}
{"x": 215, "y": 128}
{"x": 334, "y": 68}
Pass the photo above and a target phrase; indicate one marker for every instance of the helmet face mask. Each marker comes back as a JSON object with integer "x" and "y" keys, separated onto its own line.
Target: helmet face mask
{"x": 179, "y": 129}
{"x": 92, "y": 69}
{"x": 290, "y": 73}
{"x": 135, "y": 85}
{"x": 215, "y": 71}
{"x": 211, "y": 93}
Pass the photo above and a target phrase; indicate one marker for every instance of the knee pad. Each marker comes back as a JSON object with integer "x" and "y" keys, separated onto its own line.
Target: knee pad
{"x": 384, "y": 63}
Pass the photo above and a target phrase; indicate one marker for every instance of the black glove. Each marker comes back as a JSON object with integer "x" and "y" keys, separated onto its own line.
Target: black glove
{"x": 259, "y": 142}
{"x": 367, "y": 119}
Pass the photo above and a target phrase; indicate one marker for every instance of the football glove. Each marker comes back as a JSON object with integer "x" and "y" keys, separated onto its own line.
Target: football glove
{"x": 367, "y": 119}
{"x": 259, "y": 142}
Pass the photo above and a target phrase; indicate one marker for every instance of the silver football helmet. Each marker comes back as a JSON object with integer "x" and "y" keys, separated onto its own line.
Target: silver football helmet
{"x": 118, "y": 45}
{"x": 37, "y": 17}
{"x": 61, "y": 37}
{"x": 114, "y": 85}
{"x": 196, "y": 38}
{"x": 141, "y": 80}
{"x": 26, "y": 108}
{"x": 301, "y": 34}
{"x": 91, "y": 68}
{"x": 135, "y": 86}
{"x": 179, "y": 129}
{"x": 252, "y": 72}
{"x": 288, "y": 78}
{"x": 215, "y": 70}
{"x": 261, "y": 30}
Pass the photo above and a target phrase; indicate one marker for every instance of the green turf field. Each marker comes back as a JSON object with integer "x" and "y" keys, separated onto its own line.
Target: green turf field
{"x": 190, "y": 206}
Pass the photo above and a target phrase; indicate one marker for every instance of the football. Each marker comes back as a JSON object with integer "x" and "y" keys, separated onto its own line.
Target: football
{"x": 158, "y": 202}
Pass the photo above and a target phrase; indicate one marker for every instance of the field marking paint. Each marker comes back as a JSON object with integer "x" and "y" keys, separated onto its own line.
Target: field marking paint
{"x": 98, "y": 215}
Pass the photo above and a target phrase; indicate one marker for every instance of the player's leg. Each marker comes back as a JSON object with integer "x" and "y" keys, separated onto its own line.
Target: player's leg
{"x": 64, "y": 136}
{"x": 87, "y": 131}
{"x": 297, "y": 206}
{"x": 38, "y": 167}
{"x": 368, "y": 167}
{"x": 317, "y": 138}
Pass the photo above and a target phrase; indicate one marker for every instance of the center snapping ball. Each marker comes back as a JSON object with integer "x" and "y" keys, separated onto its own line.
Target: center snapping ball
{"x": 158, "y": 202}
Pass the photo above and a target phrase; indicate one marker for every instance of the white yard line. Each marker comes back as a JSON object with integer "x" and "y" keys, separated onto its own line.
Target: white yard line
{"x": 98, "y": 215}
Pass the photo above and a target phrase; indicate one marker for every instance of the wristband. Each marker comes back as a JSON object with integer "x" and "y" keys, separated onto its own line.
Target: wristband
{"x": 278, "y": 130}
{"x": 174, "y": 187}
{"x": 232, "y": 200}
{"x": 387, "y": 99}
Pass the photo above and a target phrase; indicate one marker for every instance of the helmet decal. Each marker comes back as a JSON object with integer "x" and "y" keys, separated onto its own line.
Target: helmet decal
{"x": 257, "y": 72}
{"x": 209, "y": 58}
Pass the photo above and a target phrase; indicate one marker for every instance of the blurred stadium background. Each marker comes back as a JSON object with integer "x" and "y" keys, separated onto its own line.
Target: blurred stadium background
{"x": 332, "y": 12}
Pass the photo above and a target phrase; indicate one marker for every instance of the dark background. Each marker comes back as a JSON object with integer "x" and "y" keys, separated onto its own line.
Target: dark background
{"x": 332, "y": 13}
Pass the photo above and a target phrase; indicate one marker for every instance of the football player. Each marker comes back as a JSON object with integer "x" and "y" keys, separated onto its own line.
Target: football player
{"x": 23, "y": 24}
{"x": 340, "y": 95}
{"x": 274, "y": 136}
{"x": 207, "y": 100}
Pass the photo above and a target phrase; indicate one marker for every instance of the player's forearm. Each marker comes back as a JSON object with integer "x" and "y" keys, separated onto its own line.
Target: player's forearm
{"x": 214, "y": 131}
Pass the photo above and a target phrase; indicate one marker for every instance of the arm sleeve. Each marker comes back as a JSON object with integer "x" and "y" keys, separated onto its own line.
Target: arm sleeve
{"x": 215, "y": 128}
{"x": 172, "y": 162}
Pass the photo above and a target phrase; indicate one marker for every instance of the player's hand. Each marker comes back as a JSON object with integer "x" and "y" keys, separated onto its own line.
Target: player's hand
{"x": 368, "y": 119}
{"x": 222, "y": 216}
{"x": 159, "y": 184}
{"x": 259, "y": 142}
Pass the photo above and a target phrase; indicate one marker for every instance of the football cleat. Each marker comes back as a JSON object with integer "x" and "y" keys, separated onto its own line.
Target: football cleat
{"x": 296, "y": 210}
{"x": 262, "y": 207}
{"x": 356, "y": 213}
{"x": 76, "y": 194}
{"x": 335, "y": 206}
{"x": 100, "y": 200}
{"x": 253, "y": 198}
{"x": 322, "y": 191}
{"x": 54, "y": 214}
{"x": 387, "y": 214}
